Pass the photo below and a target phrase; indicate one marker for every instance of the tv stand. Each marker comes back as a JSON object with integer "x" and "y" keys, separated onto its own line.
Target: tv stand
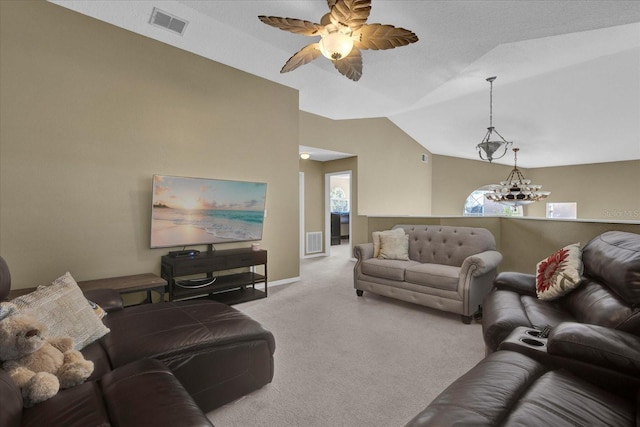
{"x": 221, "y": 281}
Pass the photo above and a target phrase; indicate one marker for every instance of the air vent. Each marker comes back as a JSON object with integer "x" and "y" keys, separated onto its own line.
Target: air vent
{"x": 168, "y": 21}
{"x": 314, "y": 242}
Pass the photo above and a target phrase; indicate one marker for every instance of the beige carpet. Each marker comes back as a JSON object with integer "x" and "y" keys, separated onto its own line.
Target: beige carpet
{"x": 343, "y": 360}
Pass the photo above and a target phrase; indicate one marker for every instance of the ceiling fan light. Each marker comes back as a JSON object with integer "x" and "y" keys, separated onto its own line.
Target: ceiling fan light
{"x": 336, "y": 46}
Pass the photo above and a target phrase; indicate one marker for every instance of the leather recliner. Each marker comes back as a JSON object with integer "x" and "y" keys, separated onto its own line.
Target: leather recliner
{"x": 587, "y": 376}
{"x": 609, "y": 294}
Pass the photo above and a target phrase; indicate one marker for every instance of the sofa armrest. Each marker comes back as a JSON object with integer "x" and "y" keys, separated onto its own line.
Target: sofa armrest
{"x": 481, "y": 263}
{"x": 109, "y": 299}
{"x": 521, "y": 283}
{"x": 596, "y": 345}
{"x": 146, "y": 393}
{"x": 363, "y": 251}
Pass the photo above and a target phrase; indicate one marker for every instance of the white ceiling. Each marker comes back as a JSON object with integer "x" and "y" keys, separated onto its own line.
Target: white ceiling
{"x": 568, "y": 87}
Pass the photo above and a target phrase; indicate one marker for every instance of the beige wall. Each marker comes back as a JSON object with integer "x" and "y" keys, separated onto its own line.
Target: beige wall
{"x": 89, "y": 112}
{"x": 606, "y": 191}
{"x": 313, "y": 196}
{"x": 523, "y": 242}
{"x": 454, "y": 179}
{"x": 392, "y": 179}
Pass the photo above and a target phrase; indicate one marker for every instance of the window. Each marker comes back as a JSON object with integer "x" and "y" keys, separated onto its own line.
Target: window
{"x": 478, "y": 205}
{"x": 562, "y": 210}
{"x": 339, "y": 201}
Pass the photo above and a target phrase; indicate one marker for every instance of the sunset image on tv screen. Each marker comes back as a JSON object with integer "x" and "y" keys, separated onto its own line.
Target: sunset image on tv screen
{"x": 192, "y": 211}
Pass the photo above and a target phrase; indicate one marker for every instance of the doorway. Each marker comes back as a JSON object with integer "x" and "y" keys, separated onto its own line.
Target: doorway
{"x": 338, "y": 212}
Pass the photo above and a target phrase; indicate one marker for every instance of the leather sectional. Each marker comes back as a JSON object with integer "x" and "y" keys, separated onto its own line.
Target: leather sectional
{"x": 162, "y": 364}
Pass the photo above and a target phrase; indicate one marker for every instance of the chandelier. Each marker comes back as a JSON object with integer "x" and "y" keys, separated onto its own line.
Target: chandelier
{"x": 516, "y": 190}
{"x": 489, "y": 146}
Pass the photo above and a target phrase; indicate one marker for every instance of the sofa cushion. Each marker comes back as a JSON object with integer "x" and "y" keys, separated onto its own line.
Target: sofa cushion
{"x": 559, "y": 273}
{"x": 613, "y": 258}
{"x": 218, "y": 353}
{"x": 386, "y": 268}
{"x": 81, "y": 405}
{"x": 438, "y": 244}
{"x": 507, "y": 388}
{"x": 63, "y": 308}
{"x": 559, "y": 398}
{"x": 434, "y": 275}
{"x": 595, "y": 304}
{"x": 484, "y": 395}
{"x": 394, "y": 246}
{"x": 146, "y": 393}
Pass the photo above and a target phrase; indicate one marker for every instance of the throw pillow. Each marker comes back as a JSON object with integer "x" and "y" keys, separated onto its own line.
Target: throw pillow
{"x": 560, "y": 273}
{"x": 62, "y": 307}
{"x": 376, "y": 239}
{"x": 394, "y": 246}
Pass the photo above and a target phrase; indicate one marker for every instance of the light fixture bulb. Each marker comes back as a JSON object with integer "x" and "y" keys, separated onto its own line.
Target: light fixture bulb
{"x": 305, "y": 156}
{"x": 336, "y": 46}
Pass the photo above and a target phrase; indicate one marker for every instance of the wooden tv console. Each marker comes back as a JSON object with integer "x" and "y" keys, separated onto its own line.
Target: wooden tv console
{"x": 214, "y": 275}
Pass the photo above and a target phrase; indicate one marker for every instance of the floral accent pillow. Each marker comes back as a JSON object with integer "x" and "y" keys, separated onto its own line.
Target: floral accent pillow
{"x": 560, "y": 273}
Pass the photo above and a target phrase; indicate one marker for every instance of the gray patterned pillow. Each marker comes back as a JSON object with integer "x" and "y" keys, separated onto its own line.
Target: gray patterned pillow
{"x": 394, "y": 246}
{"x": 376, "y": 239}
{"x": 63, "y": 308}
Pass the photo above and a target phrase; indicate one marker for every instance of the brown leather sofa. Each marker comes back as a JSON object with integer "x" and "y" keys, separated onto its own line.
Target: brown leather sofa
{"x": 205, "y": 354}
{"x": 585, "y": 372}
{"x": 142, "y": 393}
{"x": 608, "y": 296}
{"x": 586, "y": 375}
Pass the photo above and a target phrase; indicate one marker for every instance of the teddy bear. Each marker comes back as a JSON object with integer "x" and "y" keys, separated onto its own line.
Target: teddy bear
{"x": 38, "y": 365}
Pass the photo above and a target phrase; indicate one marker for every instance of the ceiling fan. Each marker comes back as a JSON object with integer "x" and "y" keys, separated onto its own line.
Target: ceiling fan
{"x": 344, "y": 32}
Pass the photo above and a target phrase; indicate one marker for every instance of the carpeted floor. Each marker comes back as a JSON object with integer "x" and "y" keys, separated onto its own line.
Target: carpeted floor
{"x": 343, "y": 360}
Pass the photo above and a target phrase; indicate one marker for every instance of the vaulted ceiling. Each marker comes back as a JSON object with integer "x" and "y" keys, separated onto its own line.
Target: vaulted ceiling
{"x": 567, "y": 92}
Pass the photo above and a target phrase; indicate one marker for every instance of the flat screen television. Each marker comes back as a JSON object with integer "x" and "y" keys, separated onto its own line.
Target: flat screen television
{"x": 199, "y": 211}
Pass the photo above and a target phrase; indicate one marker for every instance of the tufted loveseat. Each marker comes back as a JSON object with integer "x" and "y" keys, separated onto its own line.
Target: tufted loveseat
{"x": 448, "y": 268}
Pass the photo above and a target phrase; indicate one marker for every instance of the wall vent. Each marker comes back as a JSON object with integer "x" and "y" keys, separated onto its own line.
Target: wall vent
{"x": 424, "y": 158}
{"x": 168, "y": 21}
{"x": 314, "y": 242}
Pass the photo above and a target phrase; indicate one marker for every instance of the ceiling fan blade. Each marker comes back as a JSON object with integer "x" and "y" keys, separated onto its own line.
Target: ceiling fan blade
{"x": 351, "y": 65}
{"x": 350, "y": 13}
{"x": 296, "y": 26}
{"x": 379, "y": 36}
{"x": 303, "y": 56}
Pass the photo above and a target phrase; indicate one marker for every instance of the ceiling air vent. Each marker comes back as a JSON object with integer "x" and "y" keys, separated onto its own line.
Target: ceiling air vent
{"x": 167, "y": 21}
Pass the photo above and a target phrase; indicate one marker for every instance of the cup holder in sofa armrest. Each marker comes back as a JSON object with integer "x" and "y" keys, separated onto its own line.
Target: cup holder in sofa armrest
{"x": 526, "y": 341}
{"x": 532, "y": 342}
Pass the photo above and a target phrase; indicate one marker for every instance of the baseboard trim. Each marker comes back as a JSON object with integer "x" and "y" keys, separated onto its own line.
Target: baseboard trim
{"x": 284, "y": 281}
{"x": 315, "y": 255}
